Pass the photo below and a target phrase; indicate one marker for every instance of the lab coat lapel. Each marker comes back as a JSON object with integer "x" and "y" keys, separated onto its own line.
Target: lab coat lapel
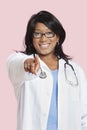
{"x": 62, "y": 98}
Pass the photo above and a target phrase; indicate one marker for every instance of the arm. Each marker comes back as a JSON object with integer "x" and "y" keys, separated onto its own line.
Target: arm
{"x": 15, "y": 65}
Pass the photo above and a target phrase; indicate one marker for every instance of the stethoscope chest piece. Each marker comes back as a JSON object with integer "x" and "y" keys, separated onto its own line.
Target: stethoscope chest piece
{"x": 42, "y": 74}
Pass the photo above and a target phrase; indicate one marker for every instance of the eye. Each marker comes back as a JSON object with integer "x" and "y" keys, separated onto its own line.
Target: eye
{"x": 50, "y": 34}
{"x": 37, "y": 34}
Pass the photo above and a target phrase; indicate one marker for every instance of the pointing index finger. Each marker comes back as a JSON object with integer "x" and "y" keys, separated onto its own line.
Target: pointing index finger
{"x": 36, "y": 59}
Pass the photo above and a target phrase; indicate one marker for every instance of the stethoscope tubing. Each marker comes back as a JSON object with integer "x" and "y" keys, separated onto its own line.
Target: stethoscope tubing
{"x": 43, "y": 74}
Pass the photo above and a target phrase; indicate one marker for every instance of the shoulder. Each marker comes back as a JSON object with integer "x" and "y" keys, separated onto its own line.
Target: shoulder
{"x": 18, "y": 55}
{"x": 16, "y": 58}
{"x": 75, "y": 65}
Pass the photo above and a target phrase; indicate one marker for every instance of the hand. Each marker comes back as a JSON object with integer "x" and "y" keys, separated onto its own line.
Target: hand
{"x": 32, "y": 65}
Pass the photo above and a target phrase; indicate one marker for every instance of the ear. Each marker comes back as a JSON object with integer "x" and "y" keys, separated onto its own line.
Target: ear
{"x": 58, "y": 37}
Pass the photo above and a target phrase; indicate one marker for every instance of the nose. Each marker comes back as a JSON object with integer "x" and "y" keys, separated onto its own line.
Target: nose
{"x": 43, "y": 38}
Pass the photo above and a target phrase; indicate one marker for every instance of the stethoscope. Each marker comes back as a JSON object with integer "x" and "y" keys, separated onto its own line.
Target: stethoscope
{"x": 43, "y": 74}
{"x": 72, "y": 83}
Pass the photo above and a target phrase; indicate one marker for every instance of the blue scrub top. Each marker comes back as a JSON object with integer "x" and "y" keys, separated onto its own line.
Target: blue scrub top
{"x": 52, "y": 123}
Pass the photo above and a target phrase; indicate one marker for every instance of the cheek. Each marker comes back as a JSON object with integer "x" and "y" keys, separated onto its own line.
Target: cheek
{"x": 36, "y": 46}
{"x": 54, "y": 44}
{"x": 35, "y": 43}
{"x": 55, "y": 41}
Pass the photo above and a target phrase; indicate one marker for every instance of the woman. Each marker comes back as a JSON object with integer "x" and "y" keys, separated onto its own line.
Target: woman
{"x": 51, "y": 89}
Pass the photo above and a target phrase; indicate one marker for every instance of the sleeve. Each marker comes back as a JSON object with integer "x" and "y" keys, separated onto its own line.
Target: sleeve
{"x": 83, "y": 86}
{"x": 15, "y": 66}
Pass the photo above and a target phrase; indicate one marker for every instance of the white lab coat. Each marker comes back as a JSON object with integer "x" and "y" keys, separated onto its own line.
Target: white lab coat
{"x": 34, "y": 96}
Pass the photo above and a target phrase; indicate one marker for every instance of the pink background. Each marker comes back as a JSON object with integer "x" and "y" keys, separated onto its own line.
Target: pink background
{"x": 14, "y": 15}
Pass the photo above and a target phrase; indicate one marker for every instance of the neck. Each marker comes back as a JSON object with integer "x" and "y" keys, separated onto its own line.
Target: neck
{"x": 50, "y": 60}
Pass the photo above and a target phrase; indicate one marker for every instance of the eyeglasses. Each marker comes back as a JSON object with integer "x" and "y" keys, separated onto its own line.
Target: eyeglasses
{"x": 47, "y": 34}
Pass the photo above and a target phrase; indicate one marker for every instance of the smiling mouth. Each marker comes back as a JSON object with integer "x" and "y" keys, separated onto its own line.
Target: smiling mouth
{"x": 44, "y": 46}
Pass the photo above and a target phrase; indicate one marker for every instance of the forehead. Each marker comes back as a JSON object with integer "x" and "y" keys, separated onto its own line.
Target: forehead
{"x": 41, "y": 27}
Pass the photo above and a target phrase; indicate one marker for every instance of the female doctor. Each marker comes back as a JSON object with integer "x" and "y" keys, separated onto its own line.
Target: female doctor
{"x": 51, "y": 89}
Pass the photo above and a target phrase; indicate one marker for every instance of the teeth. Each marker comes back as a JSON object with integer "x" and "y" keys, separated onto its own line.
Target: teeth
{"x": 44, "y": 45}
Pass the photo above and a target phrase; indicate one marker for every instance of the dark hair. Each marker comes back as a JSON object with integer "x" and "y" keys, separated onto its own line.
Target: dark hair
{"x": 52, "y": 23}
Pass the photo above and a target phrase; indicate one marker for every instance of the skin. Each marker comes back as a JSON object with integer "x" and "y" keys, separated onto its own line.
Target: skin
{"x": 45, "y": 51}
